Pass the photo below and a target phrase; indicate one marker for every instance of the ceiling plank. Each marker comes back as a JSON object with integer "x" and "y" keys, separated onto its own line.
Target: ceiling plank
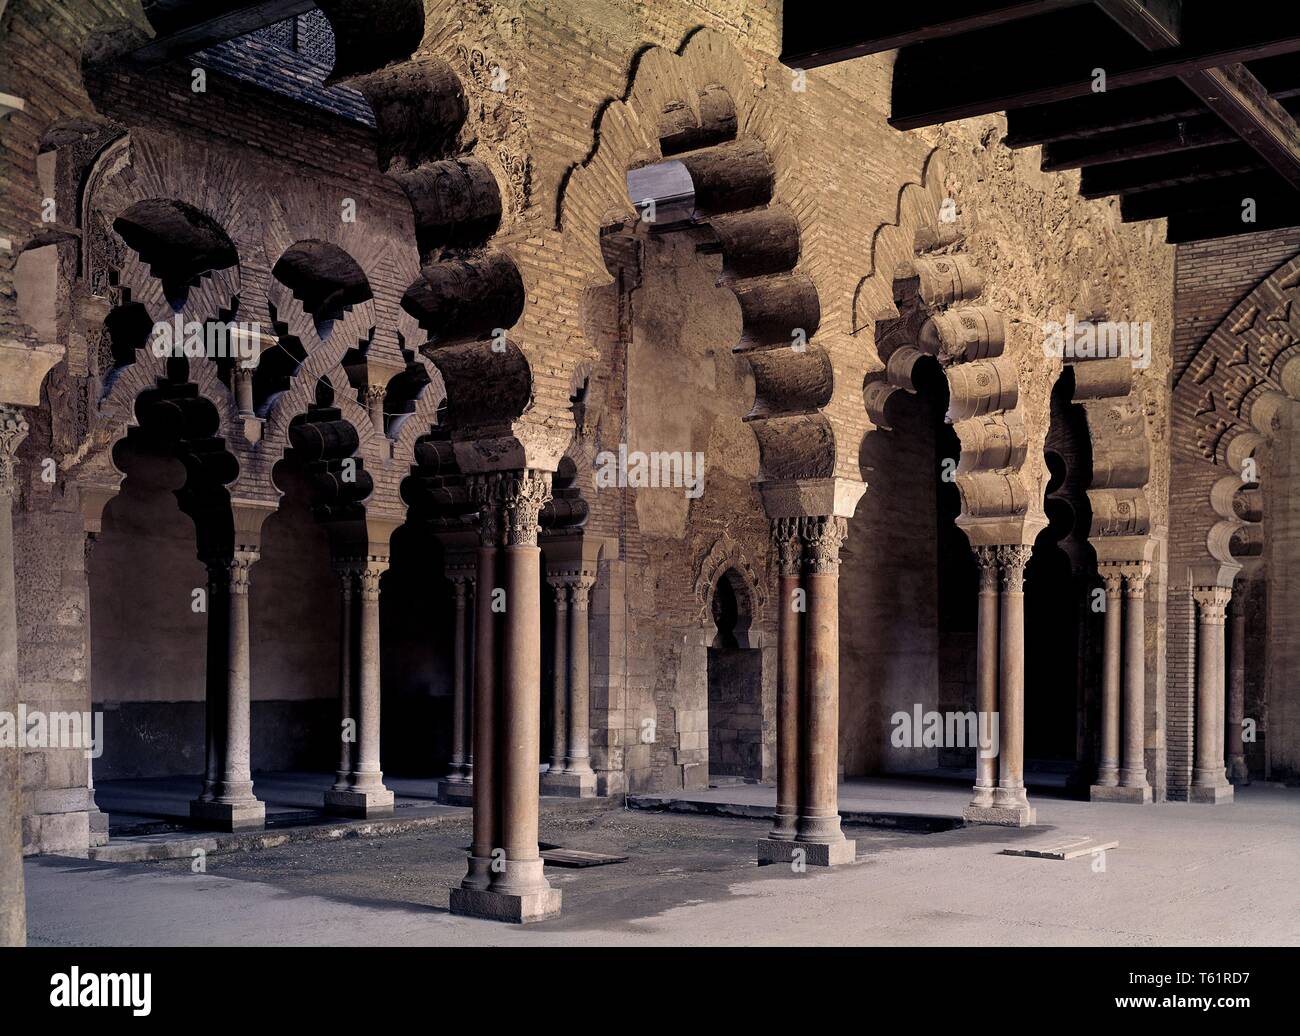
{"x": 1138, "y": 106}
{"x": 1098, "y": 181}
{"x": 810, "y": 39}
{"x": 1231, "y": 92}
{"x": 1265, "y": 188}
{"x": 1206, "y": 225}
{"x": 217, "y": 29}
{"x": 926, "y": 92}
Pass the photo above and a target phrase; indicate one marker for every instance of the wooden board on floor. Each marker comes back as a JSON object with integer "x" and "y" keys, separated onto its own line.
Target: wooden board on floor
{"x": 561, "y": 857}
{"x": 1067, "y": 847}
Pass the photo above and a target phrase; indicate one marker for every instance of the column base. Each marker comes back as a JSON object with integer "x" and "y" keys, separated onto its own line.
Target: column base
{"x": 1216, "y": 795}
{"x": 372, "y": 802}
{"x": 230, "y": 816}
{"x": 1001, "y": 816}
{"x": 1111, "y": 793}
{"x": 514, "y": 908}
{"x": 815, "y": 854}
{"x": 98, "y": 827}
{"x": 455, "y": 793}
{"x": 570, "y": 785}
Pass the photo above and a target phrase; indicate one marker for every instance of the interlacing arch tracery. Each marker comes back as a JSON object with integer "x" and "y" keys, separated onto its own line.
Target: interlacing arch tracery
{"x": 330, "y": 297}
{"x": 1226, "y": 403}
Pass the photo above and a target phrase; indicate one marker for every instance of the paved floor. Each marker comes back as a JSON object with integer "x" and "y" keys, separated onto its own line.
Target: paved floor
{"x": 1183, "y": 874}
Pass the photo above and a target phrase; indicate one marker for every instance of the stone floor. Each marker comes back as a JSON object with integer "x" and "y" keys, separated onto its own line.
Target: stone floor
{"x": 1182, "y": 875}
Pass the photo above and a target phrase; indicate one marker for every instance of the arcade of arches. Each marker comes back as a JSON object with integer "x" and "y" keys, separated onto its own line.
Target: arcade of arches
{"x": 662, "y": 431}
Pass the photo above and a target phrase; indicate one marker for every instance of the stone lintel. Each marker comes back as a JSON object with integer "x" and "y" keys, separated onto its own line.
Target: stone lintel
{"x": 1123, "y": 550}
{"x": 23, "y": 367}
{"x": 814, "y": 854}
{"x": 1002, "y": 530}
{"x": 810, "y": 497}
{"x": 528, "y": 908}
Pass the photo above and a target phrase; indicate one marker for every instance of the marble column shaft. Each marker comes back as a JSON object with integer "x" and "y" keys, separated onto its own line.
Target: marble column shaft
{"x": 459, "y": 684}
{"x": 1010, "y": 792}
{"x": 347, "y": 577}
{"x": 1236, "y": 705}
{"x": 215, "y": 705}
{"x": 560, "y": 682}
{"x": 1108, "y": 766}
{"x": 785, "y": 536}
{"x": 1208, "y": 775}
{"x": 237, "y": 777}
{"x": 13, "y": 905}
{"x": 986, "y": 673}
{"x": 1133, "y": 772}
{"x": 578, "y": 755}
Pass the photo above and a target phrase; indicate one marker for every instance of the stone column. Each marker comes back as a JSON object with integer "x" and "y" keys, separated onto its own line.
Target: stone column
{"x": 578, "y": 761}
{"x": 486, "y": 840}
{"x": 986, "y": 680}
{"x": 459, "y": 690}
{"x": 347, "y": 575}
{"x": 366, "y": 795}
{"x": 1133, "y": 774}
{"x": 215, "y": 703}
{"x": 1111, "y": 666}
{"x": 1236, "y": 745}
{"x": 517, "y": 888}
{"x": 817, "y": 826}
{"x": 13, "y": 904}
{"x": 1010, "y": 800}
{"x": 785, "y": 539}
{"x": 560, "y": 683}
{"x": 235, "y": 807}
{"x": 1209, "y": 781}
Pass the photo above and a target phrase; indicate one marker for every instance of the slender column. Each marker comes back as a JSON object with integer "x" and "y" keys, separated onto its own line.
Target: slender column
{"x": 1209, "y": 782}
{"x": 819, "y": 817}
{"x": 13, "y": 904}
{"x": 1236, "y": 746}
{"x": 1010, "y": 792}
{"x": 525, "y": 495}
{"x": 347, "y": 576}
{"x": 215, "y": 704}
{"x": 1108, "y": 767}
{"x": 237, "y": 778}
{"x": 467, "y": 720}
{"x": 368, "y": 775}
{"x": 1134, "y": 772}
{"x": 460, "y": 587}
{"x": 785, "y": 537}
{"x": 560, "y": 684}
{"x": 986, "y": 675}
{"x": 486, "y": 836}
{"x": 578, "y": 760}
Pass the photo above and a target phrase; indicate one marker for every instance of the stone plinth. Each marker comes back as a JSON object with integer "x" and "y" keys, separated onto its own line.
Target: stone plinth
{"x": 1002, "y": 816}
{"x": 570, "y": 785}
{"x": 226, "y": 816}
{"x": 815, "y": 854}
{"x": 1214, "y": 796}
{"x": 372, "y": 802}
{"x": 1117, "y": 793}
{"x": 455, "y": 793}
{"x": 525, "y": 908}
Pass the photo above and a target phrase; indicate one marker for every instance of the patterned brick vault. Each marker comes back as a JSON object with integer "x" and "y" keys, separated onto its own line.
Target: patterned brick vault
{"x": 546, "y": 384}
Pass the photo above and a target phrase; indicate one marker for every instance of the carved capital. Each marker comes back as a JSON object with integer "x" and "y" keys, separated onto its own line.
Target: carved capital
{"x": 987, "y": 559}
{"x": 1013, "y": 558}
{"x": 523, "y": 496}
{"x": 785, "y": 540}
{"x": 240, "y": 567}
{"x": 1112, "y": 576}
{"x": 1211, "y": 603}
{"x": 822, "y": 538}
{"x": 13, "y": 430}
{"x": 1135, "y": 578}
{"x": 369, "y": 573}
